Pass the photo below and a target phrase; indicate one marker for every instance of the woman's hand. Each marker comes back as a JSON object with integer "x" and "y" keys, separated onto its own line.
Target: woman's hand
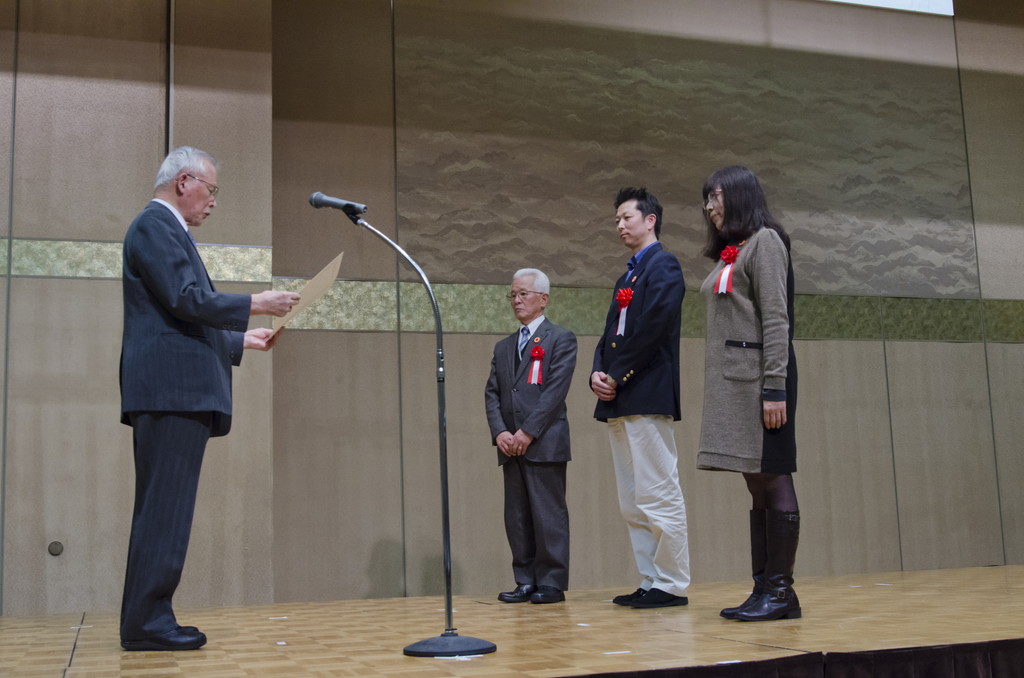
{"x": 774, "y": 413}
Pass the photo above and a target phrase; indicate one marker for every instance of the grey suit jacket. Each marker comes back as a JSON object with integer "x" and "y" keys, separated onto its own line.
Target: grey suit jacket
{"x": 537, "y": 409}
{"x": 181, "y": 336}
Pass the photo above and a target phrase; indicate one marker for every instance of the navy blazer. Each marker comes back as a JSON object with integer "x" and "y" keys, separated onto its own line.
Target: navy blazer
{"x": 181, "y": 337}
{"x": 644, "y": 360}
{"x": 537, "y": 409}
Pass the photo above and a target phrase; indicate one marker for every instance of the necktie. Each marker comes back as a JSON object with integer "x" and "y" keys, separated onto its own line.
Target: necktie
{"x": 189, "y": 234}
{"x": 524, "y": 334}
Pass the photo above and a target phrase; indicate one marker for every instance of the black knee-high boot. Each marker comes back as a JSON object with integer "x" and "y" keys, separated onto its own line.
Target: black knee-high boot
{"x": 779, "y": 600}
{"x": 758, "y": 557}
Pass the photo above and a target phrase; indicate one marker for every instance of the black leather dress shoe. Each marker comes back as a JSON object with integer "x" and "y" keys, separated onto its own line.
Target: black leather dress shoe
{"x": 627, "y": 599}
{"x": 658, "y": 598}
{"x": 547, "y": 594}
{"x": 181, "y": 638}
{"x": 521, "y": 594}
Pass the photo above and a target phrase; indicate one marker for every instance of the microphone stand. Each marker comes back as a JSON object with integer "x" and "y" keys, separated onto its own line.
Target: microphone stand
{"x": 449, "y": 643}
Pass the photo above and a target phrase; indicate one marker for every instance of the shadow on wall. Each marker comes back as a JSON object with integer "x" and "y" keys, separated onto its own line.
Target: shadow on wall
{"x": 384, "y": 572}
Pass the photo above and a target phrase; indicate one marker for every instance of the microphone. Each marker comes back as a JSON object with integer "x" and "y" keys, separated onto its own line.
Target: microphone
{"x": 350, "y": 208}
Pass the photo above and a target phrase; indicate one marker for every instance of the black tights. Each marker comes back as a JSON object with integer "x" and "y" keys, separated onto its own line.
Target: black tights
{"x": 772, "y": 491}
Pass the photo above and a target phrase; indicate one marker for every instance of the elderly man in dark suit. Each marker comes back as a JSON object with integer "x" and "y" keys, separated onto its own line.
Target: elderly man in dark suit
{"x": 636, "y": 380}
{"x": 525, "y": 401}
{"x": 181, "y": 339}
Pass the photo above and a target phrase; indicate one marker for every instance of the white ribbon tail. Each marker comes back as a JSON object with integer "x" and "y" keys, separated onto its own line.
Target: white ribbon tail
{"x": 534, "y": 372}
{"x": 724, "y": 280}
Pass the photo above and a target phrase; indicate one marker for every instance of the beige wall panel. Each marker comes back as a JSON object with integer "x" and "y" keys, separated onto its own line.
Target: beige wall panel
{"x": 1008, "y": 12}
{"x": 5, "y": 508}
{"x": 7, "y": 16}
{"x": 845, "y": 480}
{"x": 478, "y": 548}
{"x": 344, "y": 161}
{"x": 230, "y": 559}
{"x": 480, "y": 553}
{"x": 69, "y": 472}
{"x": 1006, "y": 365}
{"x": 222, "y": 104}
{"x": 944, "y": 459}
{"x": 337, "y": 470}
{"x": 7, "y": 20}
{"x": 90, "y": 116}
{"x": 601, "y": 555}
{"x": 993, "y": 91}
{"x": 999, "y": 248}
{"x": 334, "y": 60}
{"x": 71, "y": 464}
{"x": 333, "y": 132}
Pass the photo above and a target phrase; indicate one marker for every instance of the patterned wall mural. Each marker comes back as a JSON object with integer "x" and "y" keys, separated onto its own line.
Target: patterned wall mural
{"x": 514, "y": 134}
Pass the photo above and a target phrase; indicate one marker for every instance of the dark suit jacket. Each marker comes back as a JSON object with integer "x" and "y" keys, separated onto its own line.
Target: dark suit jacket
{"x": 181, "y": 337}
{"x": 645, "y": 359}
{"x": 537, "y": 409}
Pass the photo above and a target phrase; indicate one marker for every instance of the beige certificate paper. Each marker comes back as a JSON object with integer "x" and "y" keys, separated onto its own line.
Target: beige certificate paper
{"x": 314, "y": 289}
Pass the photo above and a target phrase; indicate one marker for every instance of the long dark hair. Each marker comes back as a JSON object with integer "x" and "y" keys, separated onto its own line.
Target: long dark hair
{"x": 745, "y": 209}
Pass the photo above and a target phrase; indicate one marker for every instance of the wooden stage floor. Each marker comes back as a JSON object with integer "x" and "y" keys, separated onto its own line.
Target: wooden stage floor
{"x": 585, "y": 635}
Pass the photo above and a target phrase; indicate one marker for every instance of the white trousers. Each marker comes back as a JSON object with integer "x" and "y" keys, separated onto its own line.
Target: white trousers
{"x": 650, "y": 499}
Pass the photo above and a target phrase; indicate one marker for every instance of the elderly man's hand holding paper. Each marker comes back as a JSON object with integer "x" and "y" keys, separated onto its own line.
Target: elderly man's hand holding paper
{"x": 312, "y": 292}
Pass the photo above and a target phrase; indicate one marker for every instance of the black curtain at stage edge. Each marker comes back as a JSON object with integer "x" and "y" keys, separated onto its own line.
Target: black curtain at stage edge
{"x": 989, "y": 659}
{"x": 994, "y": 658}
{"x": 798, "y": 666}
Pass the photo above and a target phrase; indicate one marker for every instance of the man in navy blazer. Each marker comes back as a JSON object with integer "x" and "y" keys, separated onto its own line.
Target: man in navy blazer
{"x": 181, "y": 339}
{"x": 636, "y": 379}
{"x": 531, "y": 372}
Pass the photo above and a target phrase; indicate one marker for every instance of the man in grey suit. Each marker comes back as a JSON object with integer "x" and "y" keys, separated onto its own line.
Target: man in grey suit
{"x": 181, "y": 339}
{"x": 525, "y": 400}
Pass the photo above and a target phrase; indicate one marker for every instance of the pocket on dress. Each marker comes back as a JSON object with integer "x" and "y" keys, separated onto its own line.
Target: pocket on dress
{"x": 742, "y": 360}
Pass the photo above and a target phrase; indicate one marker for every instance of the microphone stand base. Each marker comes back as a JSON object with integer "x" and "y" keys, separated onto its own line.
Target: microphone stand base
{"x": 449, "y": 644}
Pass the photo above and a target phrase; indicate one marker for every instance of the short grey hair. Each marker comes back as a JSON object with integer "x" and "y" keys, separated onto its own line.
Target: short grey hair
{"x": 183, "y": 159}
{"x": 540, "y": 281}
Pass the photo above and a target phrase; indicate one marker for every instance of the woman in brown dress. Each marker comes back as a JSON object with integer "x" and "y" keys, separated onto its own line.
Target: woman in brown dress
{"x": 750, "y": 380}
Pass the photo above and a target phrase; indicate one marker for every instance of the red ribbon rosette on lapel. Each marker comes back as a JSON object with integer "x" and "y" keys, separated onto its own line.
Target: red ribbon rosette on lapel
{"x": 724, "y": 282}
{"x": 535, "y": 375}
{"x": 623, "y": 296}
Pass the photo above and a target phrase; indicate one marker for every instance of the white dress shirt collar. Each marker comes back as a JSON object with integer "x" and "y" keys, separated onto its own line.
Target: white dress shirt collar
{"x": 174, "y": 211}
